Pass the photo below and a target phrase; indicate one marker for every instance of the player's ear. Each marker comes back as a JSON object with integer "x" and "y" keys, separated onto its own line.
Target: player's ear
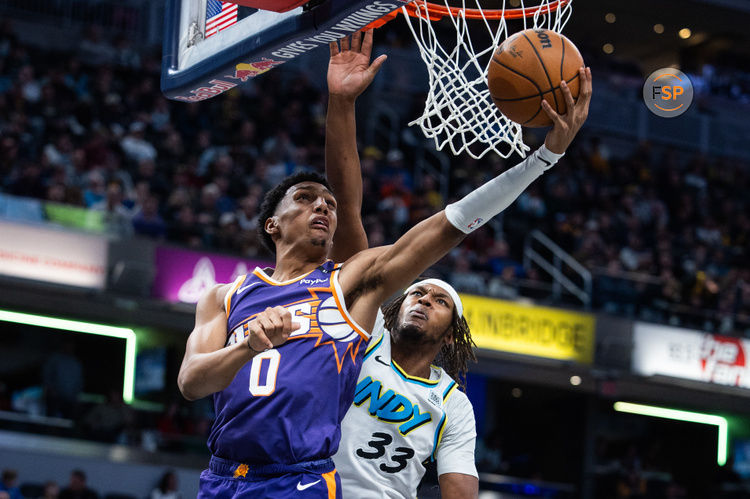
{"x": 448, "y": 336}
{"x": 272, "y": 225}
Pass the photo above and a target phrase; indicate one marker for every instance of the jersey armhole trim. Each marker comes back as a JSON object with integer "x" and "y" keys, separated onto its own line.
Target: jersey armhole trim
{"x": 338, "y": 296}
{"x": 228, "y": 298}
{"x": 449, "y": 391}
{"x": 438, "y": 436}
{"x": 371, "y": 349}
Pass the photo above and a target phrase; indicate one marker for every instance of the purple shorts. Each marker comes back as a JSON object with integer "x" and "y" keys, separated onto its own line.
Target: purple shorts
{"x": 226, "y": 479}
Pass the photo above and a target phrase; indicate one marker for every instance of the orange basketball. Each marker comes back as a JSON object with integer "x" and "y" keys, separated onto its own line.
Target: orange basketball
{"x": 528, "y": 67}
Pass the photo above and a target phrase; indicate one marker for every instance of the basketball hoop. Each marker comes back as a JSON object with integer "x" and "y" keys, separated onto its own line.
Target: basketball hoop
{"x": 459, "y": 112}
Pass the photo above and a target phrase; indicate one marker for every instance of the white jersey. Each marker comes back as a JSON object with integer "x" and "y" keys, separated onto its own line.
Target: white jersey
{"x": 397, "y": 423}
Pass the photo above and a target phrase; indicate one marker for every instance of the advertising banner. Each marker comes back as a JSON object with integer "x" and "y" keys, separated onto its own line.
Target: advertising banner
{"x": 53, "y": 255}
{"x": 687, "y": 354}
{"x": 530, "y": 330}
{"x": 184, "y": 275}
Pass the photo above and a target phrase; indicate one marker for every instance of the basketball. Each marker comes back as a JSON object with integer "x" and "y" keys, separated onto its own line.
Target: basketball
{"x": 528, "y": 67}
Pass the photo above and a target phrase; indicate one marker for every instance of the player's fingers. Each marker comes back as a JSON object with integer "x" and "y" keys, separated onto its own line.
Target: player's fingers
{"x": 345, "y": 43}
{"x": 376, "y": 65}
{"x": 286, "y": 317}
{"x": 265, "y": 324}
{"x": 584, "y": 96}
{"x": 550, "y": 112}
{"x": 278, "y": 323}
{"x": 287, "y": 321}
{"x": 569, "y": 101}
{"x": 367, "y": 43}
{"x": 257, "y": 339}
{"x": 334, "y": 46}
{"x": 357, "y": 41}
{"x": 587, "y": 90}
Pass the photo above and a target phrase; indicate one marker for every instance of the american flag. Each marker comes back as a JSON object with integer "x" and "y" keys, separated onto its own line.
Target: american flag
{"x": 219, "y": 15}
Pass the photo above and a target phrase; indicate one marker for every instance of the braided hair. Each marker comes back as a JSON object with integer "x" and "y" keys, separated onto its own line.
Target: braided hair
{"x": 453, "y": 358}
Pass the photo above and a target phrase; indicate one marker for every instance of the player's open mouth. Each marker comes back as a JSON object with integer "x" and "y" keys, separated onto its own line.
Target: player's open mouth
{"x": 320, "y": 223}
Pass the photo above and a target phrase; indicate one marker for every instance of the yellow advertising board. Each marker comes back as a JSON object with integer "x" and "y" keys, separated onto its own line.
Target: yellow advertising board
{"x": 529, "y": 329}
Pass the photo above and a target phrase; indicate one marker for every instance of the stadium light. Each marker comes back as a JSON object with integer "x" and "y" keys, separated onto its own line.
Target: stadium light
{"x": 690, "y": 417}
{"x": 89, "y": 328}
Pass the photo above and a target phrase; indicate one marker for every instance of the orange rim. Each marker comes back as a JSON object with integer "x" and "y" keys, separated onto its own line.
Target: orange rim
{"x": 435, "y": 12}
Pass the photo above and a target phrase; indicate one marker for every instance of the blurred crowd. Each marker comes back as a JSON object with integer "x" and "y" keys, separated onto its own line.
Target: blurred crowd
{"x": 13, "y": 486}
{"x": 665, "y": 235}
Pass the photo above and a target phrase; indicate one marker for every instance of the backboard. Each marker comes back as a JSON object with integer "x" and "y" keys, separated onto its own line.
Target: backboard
{"x": 241, "y": 42}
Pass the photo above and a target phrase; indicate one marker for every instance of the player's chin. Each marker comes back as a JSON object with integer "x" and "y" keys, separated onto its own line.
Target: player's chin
{"x": 319, "y": 242}
{"x": 410, "y": 328}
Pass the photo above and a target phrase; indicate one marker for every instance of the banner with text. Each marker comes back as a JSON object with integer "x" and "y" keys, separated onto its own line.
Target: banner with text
{"x": 53, "y": 255}
{"x": 530, "y": 330}
{"x": 184, "y": 275}
{"x": 696, "y": 355}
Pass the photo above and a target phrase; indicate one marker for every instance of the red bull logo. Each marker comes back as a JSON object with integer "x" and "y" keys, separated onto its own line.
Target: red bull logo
{"x": 206, "y": 92}
{"x": 243, "y": 71}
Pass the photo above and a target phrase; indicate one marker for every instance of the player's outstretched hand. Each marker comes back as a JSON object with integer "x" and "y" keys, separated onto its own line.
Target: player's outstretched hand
{"x": 349, "y": 70}
{"x": 566, "y": 126}
{"x": 270, "y": 328}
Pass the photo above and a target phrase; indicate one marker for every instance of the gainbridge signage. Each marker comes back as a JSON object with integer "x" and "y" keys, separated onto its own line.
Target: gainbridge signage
{"x": 52, "y": 255}
{"x": 530, "y": 330}
{"x": 688, "y": 354}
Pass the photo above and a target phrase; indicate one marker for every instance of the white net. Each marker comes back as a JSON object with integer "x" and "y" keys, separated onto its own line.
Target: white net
{"x": 458, "y": 111}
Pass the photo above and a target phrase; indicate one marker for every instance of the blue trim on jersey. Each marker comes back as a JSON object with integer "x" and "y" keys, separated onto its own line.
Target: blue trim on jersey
{"x": 438, "y": 431}
{"x": 448, "y": 390}
{"x": 374, "y": 347}
{"x": 413, "y": 379}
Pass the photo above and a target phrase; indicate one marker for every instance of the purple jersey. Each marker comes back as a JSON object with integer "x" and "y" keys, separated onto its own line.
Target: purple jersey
{"x": 286, "y": 406}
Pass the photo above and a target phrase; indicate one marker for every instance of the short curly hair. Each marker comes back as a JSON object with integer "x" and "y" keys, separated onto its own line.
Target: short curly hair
{"x": 273, "y": 197}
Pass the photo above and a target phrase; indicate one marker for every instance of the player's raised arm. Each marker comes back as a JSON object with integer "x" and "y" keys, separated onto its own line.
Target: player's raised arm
{"x": 349, "y": 74}
{"x": 375, "y": 274}
{"x": 209, "y": 366}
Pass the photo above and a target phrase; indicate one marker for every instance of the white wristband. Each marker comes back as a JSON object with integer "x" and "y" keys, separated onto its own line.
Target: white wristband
{"x": 477, "y": 207}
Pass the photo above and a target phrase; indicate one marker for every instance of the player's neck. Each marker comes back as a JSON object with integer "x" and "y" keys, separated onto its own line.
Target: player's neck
{"x": 291, "y": 264}
{"x": 415, "y": 361}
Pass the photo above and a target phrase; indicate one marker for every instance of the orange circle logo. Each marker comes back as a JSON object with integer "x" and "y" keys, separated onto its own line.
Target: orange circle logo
{"x": 668, "y": 92}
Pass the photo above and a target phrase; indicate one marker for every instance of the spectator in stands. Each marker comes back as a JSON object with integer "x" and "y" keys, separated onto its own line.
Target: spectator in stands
{"x": 62, "y": 378}
{"x": 167, "y": 488}
{"x": 51, "y": 490}
{"x": 94, "y": 49}
{"x": 77, "y": 488}
{"x": 95, "y": 190}
{"x": 107, "y": 422}
{"x": 117, "y": 213}
{"x": 148, "y": 221}
{"x": 134, "y": 144}
{"x": 65, "y": 123}
{"x": 9, "y": 484}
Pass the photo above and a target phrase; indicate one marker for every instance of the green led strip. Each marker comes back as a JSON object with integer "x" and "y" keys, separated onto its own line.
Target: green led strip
{"x": 86, "y": 327}
{"x": 691, "y": 417}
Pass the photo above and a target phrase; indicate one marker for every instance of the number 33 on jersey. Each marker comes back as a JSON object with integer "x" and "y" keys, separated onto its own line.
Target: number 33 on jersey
{"x": 398, "y": 422}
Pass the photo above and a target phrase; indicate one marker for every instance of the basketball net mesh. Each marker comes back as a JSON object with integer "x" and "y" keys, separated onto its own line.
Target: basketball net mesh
{"x": 459, "y": 111}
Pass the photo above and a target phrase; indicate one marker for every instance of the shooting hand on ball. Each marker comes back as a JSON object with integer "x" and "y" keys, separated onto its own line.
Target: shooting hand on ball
{"x": 566, "y": 126}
